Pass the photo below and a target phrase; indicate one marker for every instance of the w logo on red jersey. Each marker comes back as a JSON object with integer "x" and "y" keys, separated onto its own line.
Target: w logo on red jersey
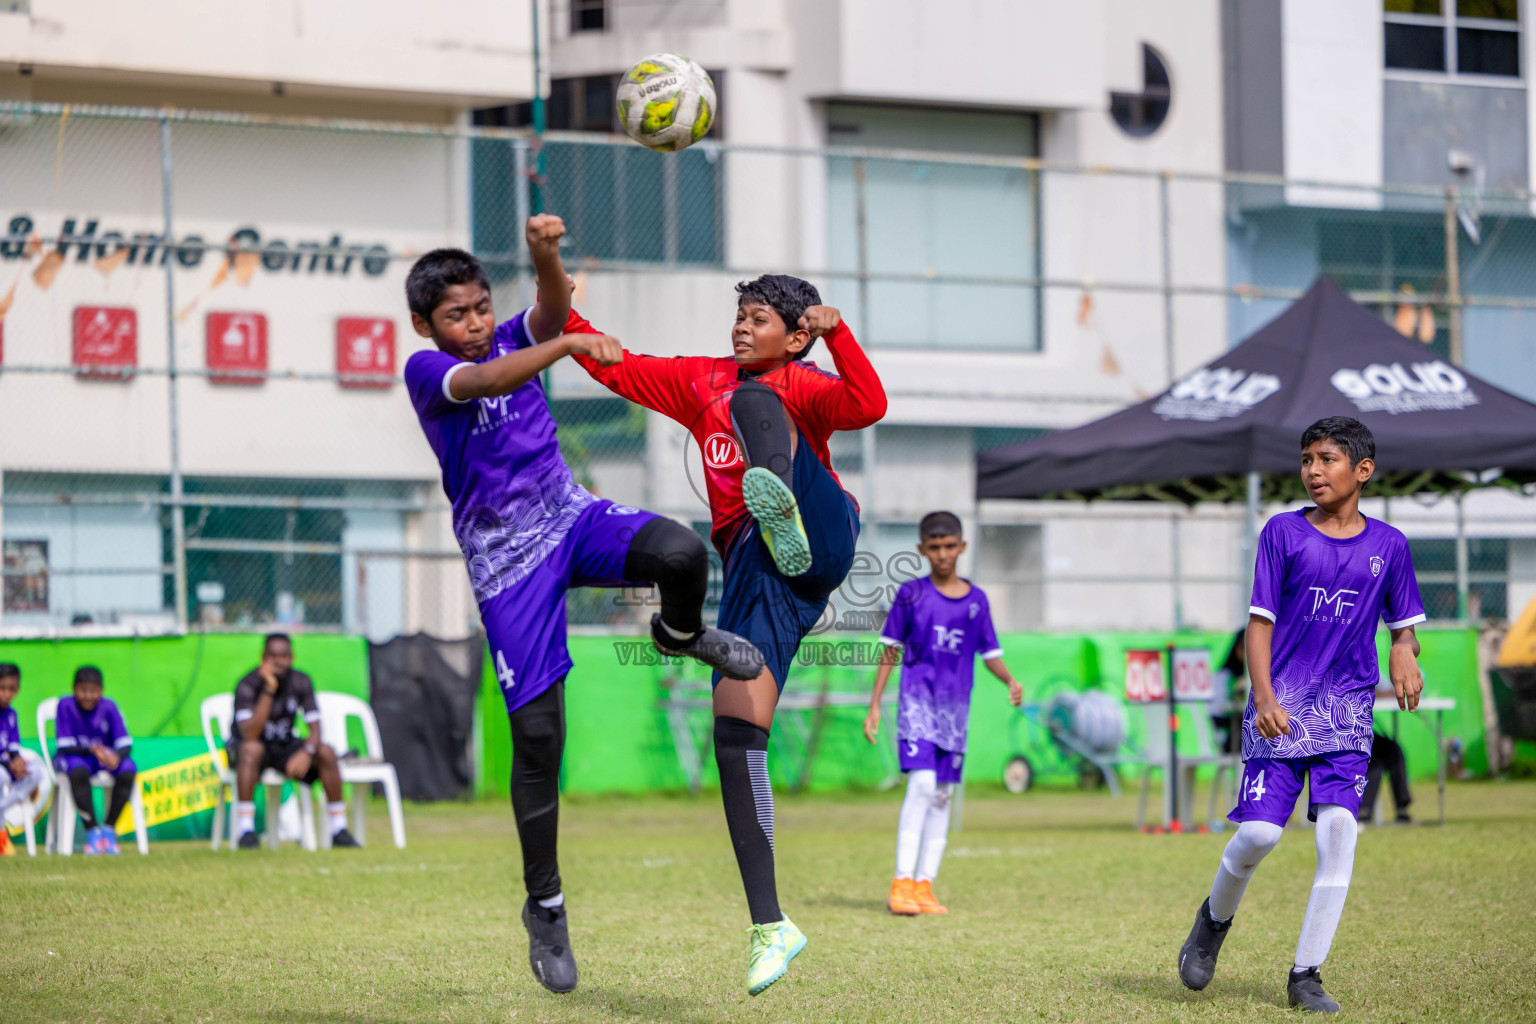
{"x": 720, "y": 451}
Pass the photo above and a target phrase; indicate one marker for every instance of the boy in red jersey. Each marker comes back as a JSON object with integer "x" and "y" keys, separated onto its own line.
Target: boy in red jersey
{"x": 782, "y": 523}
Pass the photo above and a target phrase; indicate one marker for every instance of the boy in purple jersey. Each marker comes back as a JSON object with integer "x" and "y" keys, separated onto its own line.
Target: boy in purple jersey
{"x": 1324, "y": 577}
{"x": 529, "y": 532}
{"x": 91, "y": 738}
{"x": 18, "y": 780}
{"x": 938, "y": 626}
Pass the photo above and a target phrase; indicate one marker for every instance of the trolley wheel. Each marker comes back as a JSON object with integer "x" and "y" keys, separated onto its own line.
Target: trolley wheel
{"x": 1019, "y": 775}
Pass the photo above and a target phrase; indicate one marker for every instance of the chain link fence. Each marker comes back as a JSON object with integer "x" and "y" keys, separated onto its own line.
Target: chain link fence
{"x": 202, "y": 329}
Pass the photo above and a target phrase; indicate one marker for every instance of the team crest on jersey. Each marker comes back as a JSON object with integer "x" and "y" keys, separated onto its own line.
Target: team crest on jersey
{"x": 1376, "y": 564}
{"x": 1360, "y": 785}
{"x": 720, "y": 451}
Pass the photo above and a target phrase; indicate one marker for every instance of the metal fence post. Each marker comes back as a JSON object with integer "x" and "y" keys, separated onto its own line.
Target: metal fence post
{"x": 1167, "y": 240}
{"x": 867, "y": 450}
{"x": 1463, "y": 586}
{"x": 178, "y": 521}
{"x": 1452, "y": 274}
{"x": 1251, "y": 507}
{"x": 521, "y": 211}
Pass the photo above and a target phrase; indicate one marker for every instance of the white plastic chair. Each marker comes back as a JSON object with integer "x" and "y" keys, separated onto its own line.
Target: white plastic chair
{"x": 335, "y": 710}
{"x": 61, "y": 823}
{"x": 1194, "y": 717}
{"x": 217, "y": 712}
{"x": 25, "y": 814}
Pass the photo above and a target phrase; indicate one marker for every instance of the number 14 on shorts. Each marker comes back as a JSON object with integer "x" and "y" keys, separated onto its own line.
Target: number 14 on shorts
{"x": 504, "y": 672}
{"x": 1253, "y": 785}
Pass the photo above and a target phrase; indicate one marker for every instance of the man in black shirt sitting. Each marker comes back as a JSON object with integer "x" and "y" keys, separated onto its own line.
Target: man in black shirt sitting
{"x": 267, "y": 703}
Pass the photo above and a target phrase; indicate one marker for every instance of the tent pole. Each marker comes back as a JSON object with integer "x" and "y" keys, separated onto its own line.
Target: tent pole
{"x": 1167, "y": 239}
{"x": 1452, "y": 275}
{"x": 1250, "y": 543}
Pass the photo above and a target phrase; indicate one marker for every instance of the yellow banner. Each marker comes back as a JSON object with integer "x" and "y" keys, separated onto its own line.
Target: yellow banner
{"x": 175, "y": 790}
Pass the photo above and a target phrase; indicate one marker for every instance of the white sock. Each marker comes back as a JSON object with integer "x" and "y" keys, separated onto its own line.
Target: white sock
{"x": 909, "y": 826}
{"x": 1251, "y": 844}
{"x": 557, "y": 900}
{"x": 1336, "y": 833}
{"x": 338, "y": 815}
{"x": 935, "y": 833}
{"x": 245, "y": 816}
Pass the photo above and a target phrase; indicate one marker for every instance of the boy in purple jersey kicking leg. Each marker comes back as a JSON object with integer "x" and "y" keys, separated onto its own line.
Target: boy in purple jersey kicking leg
{"x": 529, "y": 532}
{"x": 1324, "y": 577}
{"x": 937, "y": 628}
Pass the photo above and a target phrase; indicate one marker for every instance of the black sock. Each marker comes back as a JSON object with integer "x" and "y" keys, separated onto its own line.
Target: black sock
{"x": 741, "y": 752}
{"x": 122, "y": 790}
{"x": 80, "y": 787}
{"x": 674, "y": 558}
{"x": 538, "y": 741}
{"x": 760, "y": 422}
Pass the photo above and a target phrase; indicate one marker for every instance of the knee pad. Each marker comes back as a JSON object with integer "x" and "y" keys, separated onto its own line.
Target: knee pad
{"x": 668, "y": 552}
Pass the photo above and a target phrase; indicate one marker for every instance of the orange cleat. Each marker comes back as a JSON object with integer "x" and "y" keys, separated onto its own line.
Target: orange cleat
{"x": 903, "y": 899}
{"x": 6, "y": 848}
{"x": 927, "y": 903}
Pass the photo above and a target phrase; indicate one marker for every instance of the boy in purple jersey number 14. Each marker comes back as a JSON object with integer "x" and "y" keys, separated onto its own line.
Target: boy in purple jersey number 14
{"x": 937, "y": 628}
{"x": 1325, "y": 576}
{"x": 529, "y": 532}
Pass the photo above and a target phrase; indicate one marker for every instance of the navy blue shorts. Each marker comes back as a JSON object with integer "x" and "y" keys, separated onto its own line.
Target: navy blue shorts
{"x": 775, "y": 611}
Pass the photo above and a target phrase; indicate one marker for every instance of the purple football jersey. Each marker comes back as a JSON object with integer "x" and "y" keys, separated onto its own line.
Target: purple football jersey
{"x": 1325, "y": 597}
{"x": 10, "y": 736}
{"x": 514, "y": 499}
{"x": 74, "y": 728}
{"x": 941, "y": 638}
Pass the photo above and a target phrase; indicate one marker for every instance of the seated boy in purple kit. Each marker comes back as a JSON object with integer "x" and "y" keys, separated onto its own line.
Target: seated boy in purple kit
{"x": 91, "y": 737}
{"x": 18, "y": 780}
{"x": 529, "y": 532}
{"x": 1325, "y": 576}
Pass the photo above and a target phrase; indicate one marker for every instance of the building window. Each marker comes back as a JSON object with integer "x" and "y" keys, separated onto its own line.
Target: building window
{"x": 1139, "y": 114}
{"x": 1454, "y": 37}
{"x": 589, "y": 15}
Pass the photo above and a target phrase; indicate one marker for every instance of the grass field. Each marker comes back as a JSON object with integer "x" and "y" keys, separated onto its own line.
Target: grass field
{"x": 1058, "y": 912}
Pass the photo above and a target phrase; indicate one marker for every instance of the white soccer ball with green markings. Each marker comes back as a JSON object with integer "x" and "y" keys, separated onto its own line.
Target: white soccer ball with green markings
{"x": 666, "y": 102}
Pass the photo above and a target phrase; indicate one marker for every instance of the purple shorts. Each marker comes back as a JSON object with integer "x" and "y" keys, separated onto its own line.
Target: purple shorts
{"x": 920, "y": 755}
{"x": 1270, "y": 786}
{"x": 525, "y": 623}
{"x": 66, "y": 763}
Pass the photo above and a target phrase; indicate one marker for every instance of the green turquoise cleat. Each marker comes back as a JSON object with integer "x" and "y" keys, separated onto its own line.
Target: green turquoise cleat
{"x": 773, "y": 947}
{"x": 778, "y": 517}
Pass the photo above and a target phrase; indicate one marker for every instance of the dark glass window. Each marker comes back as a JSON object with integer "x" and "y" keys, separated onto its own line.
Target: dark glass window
{"x": 1492, "y": 10}
{"x": 1139, "y": 114}
{"x": 1415, "y": 47}
{"x": 589, "y": 15}
{"x": 1413, "y": 6}
{"x": 1481, "y": 51}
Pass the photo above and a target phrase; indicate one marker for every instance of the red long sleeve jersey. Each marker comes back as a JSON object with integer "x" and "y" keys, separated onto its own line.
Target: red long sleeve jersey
{"x": 695, "y": 391}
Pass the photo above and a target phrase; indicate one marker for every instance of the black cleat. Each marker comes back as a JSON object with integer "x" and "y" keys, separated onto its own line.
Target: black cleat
{"x": 248, "y": 841}
{"x": 1305, "y": 990}
{"x": 347, "y": 839}
{"x": 1197, "y": 957}
{"x": 732, "y": 656}
{"x": 549, "y": 946}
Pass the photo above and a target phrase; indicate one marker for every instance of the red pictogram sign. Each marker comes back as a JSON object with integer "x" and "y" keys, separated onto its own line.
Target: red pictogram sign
{"x": 106, "y": 342}
{"x": 365, "y": 351}
{"x": 237, "y": 341}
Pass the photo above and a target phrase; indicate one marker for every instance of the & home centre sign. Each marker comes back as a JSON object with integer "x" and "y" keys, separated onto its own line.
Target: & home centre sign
{"x": 85, "y": 239}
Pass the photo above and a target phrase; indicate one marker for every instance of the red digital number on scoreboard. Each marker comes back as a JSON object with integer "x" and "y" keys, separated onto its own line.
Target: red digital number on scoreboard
{"x": 238, "y": 342}
{"x": 365, "y": 352}
{"x": 106, "y": 342}
{"x": 1144, "y": 677}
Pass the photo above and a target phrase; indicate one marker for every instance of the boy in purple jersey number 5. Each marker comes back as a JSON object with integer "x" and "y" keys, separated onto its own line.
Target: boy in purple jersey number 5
{"x": 938, "y": 626}
{"x": 1325, "y": 576}
{"x": 529, "y": 531}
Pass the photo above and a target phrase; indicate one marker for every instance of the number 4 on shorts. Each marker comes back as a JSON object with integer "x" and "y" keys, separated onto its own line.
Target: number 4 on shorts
{"x": 503, "y": 671}
{"x": 1255, "y": 786}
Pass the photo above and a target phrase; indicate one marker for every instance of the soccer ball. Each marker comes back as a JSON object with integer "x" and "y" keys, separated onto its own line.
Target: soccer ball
{"x": 666, "y": 102}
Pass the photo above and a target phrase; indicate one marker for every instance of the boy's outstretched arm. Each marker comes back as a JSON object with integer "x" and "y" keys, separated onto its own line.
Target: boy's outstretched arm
{"x": 1015, "y": 690}
{"x": 889, "y": 659}
{"x": 1403, "y": 668}
{"x": 546, "y": 320}
{"x": 856, "y": 399}
{"x": 1269, "y": 717}
{"x": 505, "y": 374}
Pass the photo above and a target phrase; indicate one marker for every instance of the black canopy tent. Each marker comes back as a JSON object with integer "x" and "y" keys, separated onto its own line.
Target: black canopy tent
{"x": 1230, "y": 430}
